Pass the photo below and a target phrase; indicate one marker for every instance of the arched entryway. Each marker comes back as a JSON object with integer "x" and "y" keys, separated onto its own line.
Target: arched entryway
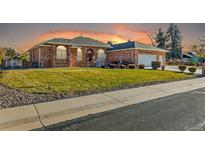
{"x": 90, "y": 57}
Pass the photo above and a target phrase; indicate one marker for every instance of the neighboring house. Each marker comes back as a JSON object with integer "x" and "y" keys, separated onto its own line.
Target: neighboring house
{"x": 136, "y": 53}
{"x": 14, "y": 63}
{"x": 59, "y": 52}
{"x": 191, "y": 57}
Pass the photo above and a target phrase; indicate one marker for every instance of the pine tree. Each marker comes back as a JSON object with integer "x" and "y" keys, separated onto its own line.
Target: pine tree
{"x": 174, "y": 37}
{"x": 160, "y": 39}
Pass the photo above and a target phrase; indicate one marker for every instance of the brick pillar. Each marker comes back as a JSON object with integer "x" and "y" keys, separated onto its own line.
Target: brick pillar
{"x": 53, "y": 48}
{"x": 68, "y": 55}
{"x": 203, "y": 69}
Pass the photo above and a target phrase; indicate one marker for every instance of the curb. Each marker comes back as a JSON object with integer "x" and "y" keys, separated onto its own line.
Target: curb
{"x": 19, "y": 118}
{"x": 44, "y": 114}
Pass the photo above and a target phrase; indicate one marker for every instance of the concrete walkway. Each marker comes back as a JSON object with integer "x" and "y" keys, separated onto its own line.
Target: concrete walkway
{"x": 45, "y": 114}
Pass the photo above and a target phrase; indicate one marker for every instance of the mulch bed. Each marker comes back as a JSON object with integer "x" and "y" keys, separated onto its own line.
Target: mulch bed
{"x": 12, "y": 97}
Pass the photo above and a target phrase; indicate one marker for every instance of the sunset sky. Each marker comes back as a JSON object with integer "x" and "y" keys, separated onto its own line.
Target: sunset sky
{"x": 22, "y": 36}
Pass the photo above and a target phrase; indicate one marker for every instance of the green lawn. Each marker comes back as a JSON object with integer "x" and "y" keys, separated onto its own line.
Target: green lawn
{"x": 82, "y": 80}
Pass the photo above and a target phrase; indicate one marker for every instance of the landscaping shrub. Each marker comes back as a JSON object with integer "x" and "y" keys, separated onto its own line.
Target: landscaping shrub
{"x": 131, "y": 66}
{"x": 171, "y": 63}
{"x": 141, "y": 66}
{"x": 1, "y": 73}
{"x": 189, "y": 63}
{"x": 122, "y": 66}
{"x": 192, "y": 70}
{"x": 163, "y": 67}
{"x": 182, "y": 68}
{"x": 156, "y": 64}
{"x": 112, "y": 65}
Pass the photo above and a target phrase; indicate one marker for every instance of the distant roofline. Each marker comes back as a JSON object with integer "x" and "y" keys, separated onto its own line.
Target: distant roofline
{"x": 188, "y": 55}
{"x": 154, "y": 48}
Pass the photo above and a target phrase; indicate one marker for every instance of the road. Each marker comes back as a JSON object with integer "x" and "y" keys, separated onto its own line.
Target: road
{"x": 185, "y": 111}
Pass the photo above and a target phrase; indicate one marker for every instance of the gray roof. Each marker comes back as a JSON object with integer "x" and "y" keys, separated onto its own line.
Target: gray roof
{"x": 78, "y": 41}
{"x": 134, "y": 45}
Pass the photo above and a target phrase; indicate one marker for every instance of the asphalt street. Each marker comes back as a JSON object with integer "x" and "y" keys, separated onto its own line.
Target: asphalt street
{"x": 184, "y": 111}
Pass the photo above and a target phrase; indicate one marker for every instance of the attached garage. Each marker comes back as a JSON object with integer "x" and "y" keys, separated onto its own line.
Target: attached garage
{"x": 133, "y": 52}
{"x": 146, "y": 59}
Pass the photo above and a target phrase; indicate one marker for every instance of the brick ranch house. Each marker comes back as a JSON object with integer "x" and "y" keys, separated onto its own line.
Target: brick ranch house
{"x": 135, "y": 53}
{"x": 84, "y": 51}
{"x": 59, "y": 52}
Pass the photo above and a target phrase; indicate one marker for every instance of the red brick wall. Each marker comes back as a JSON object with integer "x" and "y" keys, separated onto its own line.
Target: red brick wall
{"x": 48, "y": 56}
{"x": 126, "y": 55}
{"x": 131, "y": 55}
{"x": 45, "y": 56}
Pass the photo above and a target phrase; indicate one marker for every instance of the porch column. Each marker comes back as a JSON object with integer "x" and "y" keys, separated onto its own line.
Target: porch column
{"x": 39, "y": 57}
{"x": 53, "y": 51}
{"x": 68, "y": 55}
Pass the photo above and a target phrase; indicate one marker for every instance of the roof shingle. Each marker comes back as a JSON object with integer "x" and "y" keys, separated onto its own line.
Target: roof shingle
{"x": 78, "y": 41}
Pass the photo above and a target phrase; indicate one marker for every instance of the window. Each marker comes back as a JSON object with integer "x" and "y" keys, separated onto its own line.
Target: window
{"x": 61, "y": 52}
{"x": 101, "y": 54}
{"x": 79, "y": 54}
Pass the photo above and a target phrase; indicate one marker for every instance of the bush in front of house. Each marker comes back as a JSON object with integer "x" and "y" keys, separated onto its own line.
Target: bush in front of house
{"x": 163, "y": 67}
{"x": 141, "y": 66}
{"x": 182, "y": 68}
{"x": 156, "y": 64}
{"x": 122, "y": 66}
{"x": 131, "y": 66}
{"x": 189, "y": 63}
{"x": 112, "y": 65}
{"x": 171, "y": 63}
{"x": 192, "y": 70}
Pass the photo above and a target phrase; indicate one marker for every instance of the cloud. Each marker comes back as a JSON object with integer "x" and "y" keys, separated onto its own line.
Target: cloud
{"x": 118, "y": 33}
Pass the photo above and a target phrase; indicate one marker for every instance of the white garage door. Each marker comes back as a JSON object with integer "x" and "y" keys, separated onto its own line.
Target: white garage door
{"x": 146, "y": 59}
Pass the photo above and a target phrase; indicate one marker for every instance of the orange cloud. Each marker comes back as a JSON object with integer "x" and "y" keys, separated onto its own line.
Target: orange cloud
{"x": 73, "y": 33}
{"x": 132, "y": 33}
{"x": 120, "y": 33}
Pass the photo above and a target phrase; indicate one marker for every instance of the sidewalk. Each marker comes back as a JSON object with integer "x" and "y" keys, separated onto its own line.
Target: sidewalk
{"x": 44, "y": 114}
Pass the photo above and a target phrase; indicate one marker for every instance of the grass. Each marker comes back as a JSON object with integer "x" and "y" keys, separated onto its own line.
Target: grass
{"x": 82, "y": 80}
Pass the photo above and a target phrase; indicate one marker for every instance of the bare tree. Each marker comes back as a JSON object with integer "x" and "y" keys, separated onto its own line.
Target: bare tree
{"x": 199, "y": 48}
{"x": 151, "y": 36}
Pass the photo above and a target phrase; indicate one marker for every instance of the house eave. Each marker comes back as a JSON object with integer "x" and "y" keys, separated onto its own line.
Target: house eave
{"x": 160, "y": 50}
{"x": 79, "y": 45}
